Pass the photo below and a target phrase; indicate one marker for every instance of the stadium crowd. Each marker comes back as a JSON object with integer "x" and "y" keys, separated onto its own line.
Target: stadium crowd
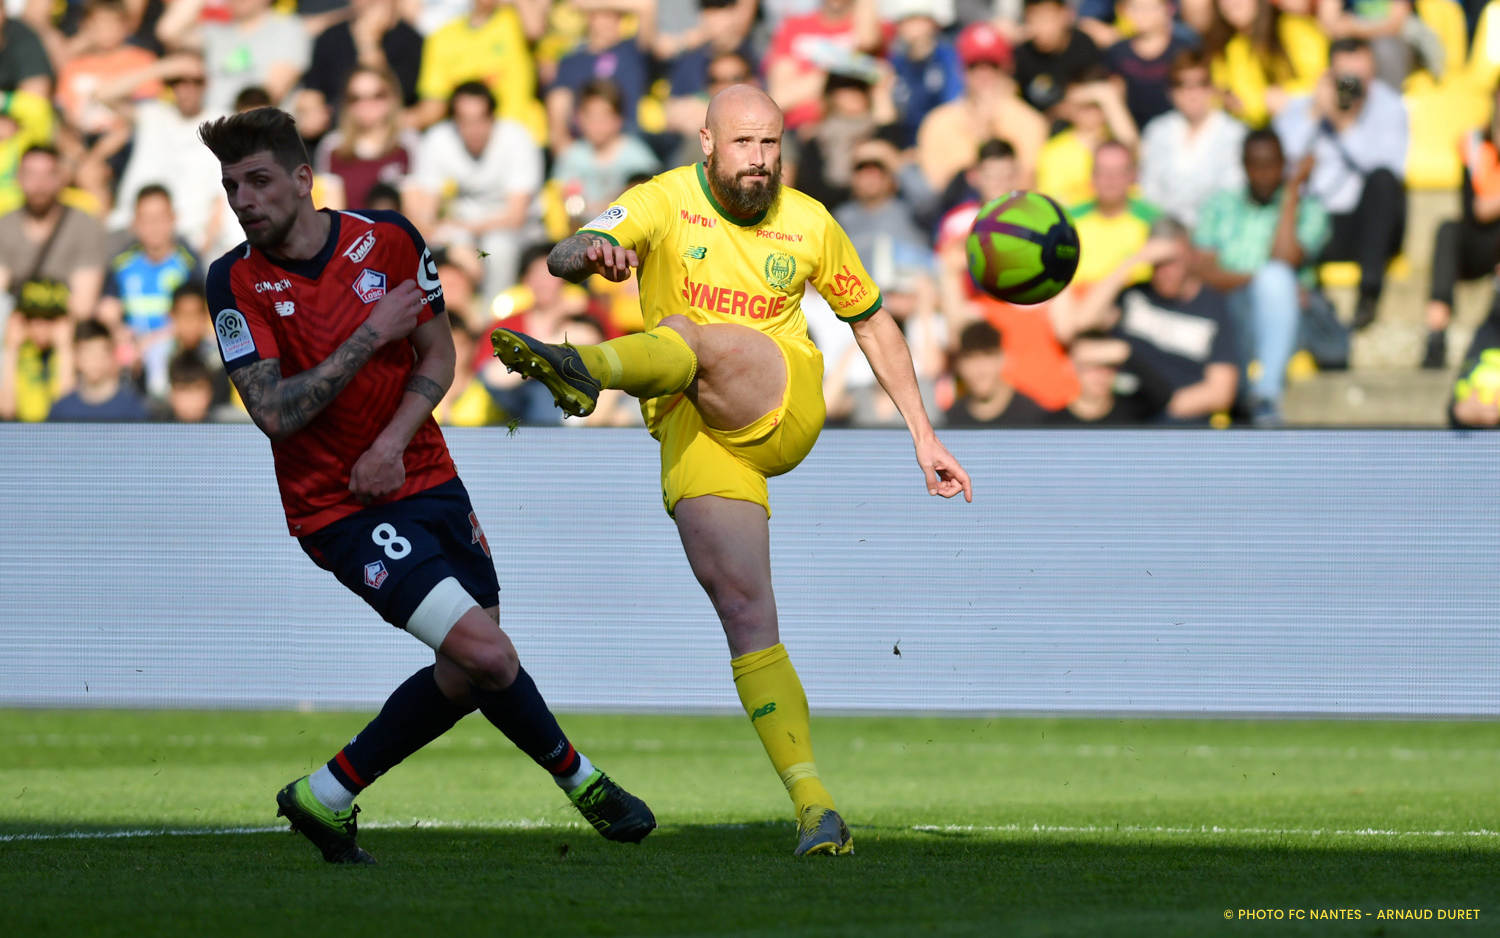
{"x": 1215, "y": 156}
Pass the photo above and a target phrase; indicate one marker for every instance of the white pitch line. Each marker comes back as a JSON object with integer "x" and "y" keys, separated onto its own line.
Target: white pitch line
{"x": 418, "y": 824}
{"x": 1205, "y": 829}
{"x": 543, "y": 824}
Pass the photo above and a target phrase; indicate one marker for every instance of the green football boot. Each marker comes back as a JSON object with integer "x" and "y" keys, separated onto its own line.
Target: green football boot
{"x": 558, "y": 367}
{"x": 821, "y": 832}
{"x": 614, "y": 812}
{"x": 330, "y": 831}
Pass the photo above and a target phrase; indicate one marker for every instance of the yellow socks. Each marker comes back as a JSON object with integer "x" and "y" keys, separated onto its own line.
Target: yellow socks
{"x": 774, "y": 699}
{"x": 644, "y": 365}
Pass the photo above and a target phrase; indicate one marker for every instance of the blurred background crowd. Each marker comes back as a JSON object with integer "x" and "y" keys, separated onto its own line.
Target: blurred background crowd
{"x": 1289, "y": 210}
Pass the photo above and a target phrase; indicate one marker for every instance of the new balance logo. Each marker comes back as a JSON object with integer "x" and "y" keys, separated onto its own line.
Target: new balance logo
{"x": 695, "y": 252}
{"x": 286, "y": 308}
{"x": 762, "y": 711}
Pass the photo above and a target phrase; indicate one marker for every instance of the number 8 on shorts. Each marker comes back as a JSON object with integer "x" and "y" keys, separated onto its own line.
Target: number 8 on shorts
{"x": 396, "y": 546}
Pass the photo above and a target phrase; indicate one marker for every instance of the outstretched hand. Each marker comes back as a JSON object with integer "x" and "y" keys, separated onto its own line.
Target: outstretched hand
{"x": 945, "y": 476}
{"x": 611, "y": 261}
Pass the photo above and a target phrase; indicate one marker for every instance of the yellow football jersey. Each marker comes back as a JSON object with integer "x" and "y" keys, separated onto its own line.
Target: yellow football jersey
{"x": 699, "y": 261}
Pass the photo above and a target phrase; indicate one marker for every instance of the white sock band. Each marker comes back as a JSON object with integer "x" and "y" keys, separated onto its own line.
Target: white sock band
{"x": 616, "y": 367}
{"x": 570, "y": 782}
{"x": 329, "y": 791}
{"x": 439, "y": 612}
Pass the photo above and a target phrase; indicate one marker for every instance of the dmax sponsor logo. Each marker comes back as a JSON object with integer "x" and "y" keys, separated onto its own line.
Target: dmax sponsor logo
{"x": 265, "y": 286}
{"x": 693, "y": 218}
{"x": 732, "y": 302}
{"x": 360, "y": 249}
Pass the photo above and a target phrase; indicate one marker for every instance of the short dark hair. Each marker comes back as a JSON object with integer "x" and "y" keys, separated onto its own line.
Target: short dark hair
{"x": 383, "y": 192}
{"x": 187, "y": 368}
{"x": 105, "y": 6}
{"x": 262, "y": 130}
{"x": 978, "y": 337}
{"x": 1262, "y": 135}
{"x": 1346, "y": 45}
{"x": 1186, "y": 61}
{"x": 838, "y": 82}
{"x": 251, "y": 98}
{"x": 996, "y": 150}
{"x": 606, "y": 91}
{"x": 186, "y": 290}
{"x": 719, "y": 57}
{"x": 457, "y": 325}
{"x": 44, "y": 149}
{"x": 476, "y": 89}
{"x": 90, "y": 329}
{"x": 151, "y": 191}
{"x": 532, "y": 254}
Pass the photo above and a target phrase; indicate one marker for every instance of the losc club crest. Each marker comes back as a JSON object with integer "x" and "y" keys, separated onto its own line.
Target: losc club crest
{"x": 370, "y": 286}
{"x": 375, "y": 574}
{"x": 780, "y": 269}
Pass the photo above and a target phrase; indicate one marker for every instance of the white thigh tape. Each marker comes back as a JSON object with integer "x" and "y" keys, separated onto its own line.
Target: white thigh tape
{"x": 438, "y": 613}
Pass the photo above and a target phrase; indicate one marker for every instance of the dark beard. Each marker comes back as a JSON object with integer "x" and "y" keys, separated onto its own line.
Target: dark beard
{"x": 274, "y": 236}
{"x": 744, "y": 200}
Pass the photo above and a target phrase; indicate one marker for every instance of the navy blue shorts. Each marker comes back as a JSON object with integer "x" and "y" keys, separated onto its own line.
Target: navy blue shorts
{"x": 392, "y": 555}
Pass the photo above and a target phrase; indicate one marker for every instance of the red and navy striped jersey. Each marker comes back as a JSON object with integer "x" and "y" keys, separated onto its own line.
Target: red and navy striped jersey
{"x": 300, "y": 312}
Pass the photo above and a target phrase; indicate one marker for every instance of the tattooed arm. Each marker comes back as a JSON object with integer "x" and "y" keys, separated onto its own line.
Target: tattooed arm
{"x": 575, "y": 258}
{"x": 382, "y": 470}
{"x": 282, "y": 406}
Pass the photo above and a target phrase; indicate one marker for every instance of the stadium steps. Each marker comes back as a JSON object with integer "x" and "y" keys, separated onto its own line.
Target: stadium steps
{"x": 1384, "y": 385}
{"x": 1370, "y": 399}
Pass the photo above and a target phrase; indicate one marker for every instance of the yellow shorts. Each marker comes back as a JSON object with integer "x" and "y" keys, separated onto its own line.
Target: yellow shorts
{"x": 699, "y": 460}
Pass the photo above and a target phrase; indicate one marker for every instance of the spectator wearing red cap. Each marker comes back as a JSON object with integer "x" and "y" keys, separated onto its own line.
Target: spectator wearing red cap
{"x": 928, "y": 69}
{"x": 951, "y": 134}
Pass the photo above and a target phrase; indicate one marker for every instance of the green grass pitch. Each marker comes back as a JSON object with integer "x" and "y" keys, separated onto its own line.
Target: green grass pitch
{"x": 962, "y": 826}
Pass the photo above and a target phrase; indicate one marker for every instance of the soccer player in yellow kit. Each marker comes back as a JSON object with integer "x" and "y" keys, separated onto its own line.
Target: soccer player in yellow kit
{"x": 732, "y": 386}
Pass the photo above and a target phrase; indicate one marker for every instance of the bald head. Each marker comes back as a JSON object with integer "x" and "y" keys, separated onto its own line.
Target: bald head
{"x": 740, "y": 103}
{"x": 742, "y": 147}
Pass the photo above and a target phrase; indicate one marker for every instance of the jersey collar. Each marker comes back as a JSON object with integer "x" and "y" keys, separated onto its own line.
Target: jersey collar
{"x": 708, "y": 193}
{"x": 312, "y": 268}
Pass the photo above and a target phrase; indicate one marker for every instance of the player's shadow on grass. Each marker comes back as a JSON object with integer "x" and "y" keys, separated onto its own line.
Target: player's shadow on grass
{"x": 728, "y": 879}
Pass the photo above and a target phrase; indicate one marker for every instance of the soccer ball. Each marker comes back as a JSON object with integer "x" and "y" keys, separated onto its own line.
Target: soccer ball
{"x": 1023, "y": 248}
{"x": 1483, "y": 378}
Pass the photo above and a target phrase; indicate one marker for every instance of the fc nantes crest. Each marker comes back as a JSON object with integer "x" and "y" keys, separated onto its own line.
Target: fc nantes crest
{"x": 780, "y": 269}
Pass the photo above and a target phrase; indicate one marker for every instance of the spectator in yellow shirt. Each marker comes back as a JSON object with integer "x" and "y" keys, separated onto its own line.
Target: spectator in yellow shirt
{"x": 1262, "y": 57}
{"x": 487, "y": 45}
{"x": 25, "y": 122}
{"x": 1095, "y": 108}
{"x": 1114, "y": 225}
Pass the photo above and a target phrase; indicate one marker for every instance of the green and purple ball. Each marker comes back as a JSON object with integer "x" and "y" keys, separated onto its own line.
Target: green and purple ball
{"x": 1023, "y": 248}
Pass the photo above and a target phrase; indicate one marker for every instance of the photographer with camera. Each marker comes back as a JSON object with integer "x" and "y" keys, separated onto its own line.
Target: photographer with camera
{"x": 1356, "y": 129}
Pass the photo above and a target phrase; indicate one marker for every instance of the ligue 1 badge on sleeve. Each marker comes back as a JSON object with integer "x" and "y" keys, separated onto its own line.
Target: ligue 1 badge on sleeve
{"x": 609, "y": 218}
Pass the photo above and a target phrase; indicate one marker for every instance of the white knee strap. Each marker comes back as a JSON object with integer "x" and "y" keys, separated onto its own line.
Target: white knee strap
{"x": 439, "y": 612}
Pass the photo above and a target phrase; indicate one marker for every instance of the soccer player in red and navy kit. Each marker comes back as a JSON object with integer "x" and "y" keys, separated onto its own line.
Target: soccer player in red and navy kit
{"x": 332, "y": 327}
